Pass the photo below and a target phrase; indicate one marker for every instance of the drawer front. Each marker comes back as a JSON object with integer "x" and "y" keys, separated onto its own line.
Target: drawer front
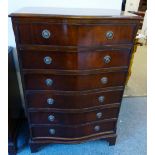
{"x": 73, "y": 82}
{"x": 72, "y": 118}
{"x": 72, "y": 132}
{"x": 49, "y": 99}
{"x": 75, "y": 35}
{"x": 83, "y": 60}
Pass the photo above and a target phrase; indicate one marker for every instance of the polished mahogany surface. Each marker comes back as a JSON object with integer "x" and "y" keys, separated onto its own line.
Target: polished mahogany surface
{"x": 87, "y": 13}
{"x": 64, "y": 100}
{"x": 75, "y": 35}
{"x": 74, "y": 82}
{"x": 71, "y": 118}
{"x": 73, "y": 64}
{"x": 73, "y": 131}
{"x": 81, "y": 60}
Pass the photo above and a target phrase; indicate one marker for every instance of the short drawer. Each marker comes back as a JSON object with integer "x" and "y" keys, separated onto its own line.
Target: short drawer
{"x": 52, "y": 131}
{"x": 74, "y": 82}
{"x": 70, "y": 118}
{"x": 75, "y": 35}
{"x": 64, "y": 100}
{"x": 75, "y": 60}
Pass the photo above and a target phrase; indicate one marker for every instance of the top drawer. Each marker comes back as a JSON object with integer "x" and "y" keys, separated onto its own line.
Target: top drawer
{"x": 75, "y": 35}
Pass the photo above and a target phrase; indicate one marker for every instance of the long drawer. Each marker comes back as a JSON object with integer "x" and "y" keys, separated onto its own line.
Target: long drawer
{"x": 74, "y": 82}
{"x": 74, "y": 60}
{"x": 75, "y": 35}
{"x": 65, "y": 100}
{"x": 72, "y": 118}
{"x": 51, "y": 131}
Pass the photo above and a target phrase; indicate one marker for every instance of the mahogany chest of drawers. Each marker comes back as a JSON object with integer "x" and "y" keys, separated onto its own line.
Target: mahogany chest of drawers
{"x": 73, "y": 68}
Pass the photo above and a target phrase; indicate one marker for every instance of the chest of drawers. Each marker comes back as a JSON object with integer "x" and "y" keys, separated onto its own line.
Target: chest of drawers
{"x": 73, "y": 68}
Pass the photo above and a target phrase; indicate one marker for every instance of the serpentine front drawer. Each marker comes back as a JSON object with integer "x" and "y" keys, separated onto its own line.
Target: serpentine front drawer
{"x": 72, "y": 118}
{"x": 64, "y": 100}
{"x": 66, "y": 34}
{"x": 68, "y": 133}
{"x": 74, "y": 82}
{"x": 76, "y": 60}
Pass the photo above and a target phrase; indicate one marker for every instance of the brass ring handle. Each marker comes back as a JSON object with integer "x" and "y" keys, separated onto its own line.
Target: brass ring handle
{"x": 46, "y": 34}
{"x": 48, "y": 82}
{"x": 97, "y": 128}
{"x": 47, "y": 60}
{"x": 104, "y": 80}
{"x": 99, "y": 115}
{"x": 50, "y": 101}
{"x": 52, "y": 131}
{"x": 51, "y": 118}
{"x": 109, "y": 35}
{"x": 107, "y": 59}
{"x": 101, "y": 99}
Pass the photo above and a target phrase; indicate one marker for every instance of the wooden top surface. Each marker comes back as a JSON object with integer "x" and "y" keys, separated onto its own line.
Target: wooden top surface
{"x": 72, "y": 13}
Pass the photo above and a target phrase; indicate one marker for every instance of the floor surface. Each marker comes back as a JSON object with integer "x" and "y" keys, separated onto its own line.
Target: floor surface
{"x": 131, "y": 138}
